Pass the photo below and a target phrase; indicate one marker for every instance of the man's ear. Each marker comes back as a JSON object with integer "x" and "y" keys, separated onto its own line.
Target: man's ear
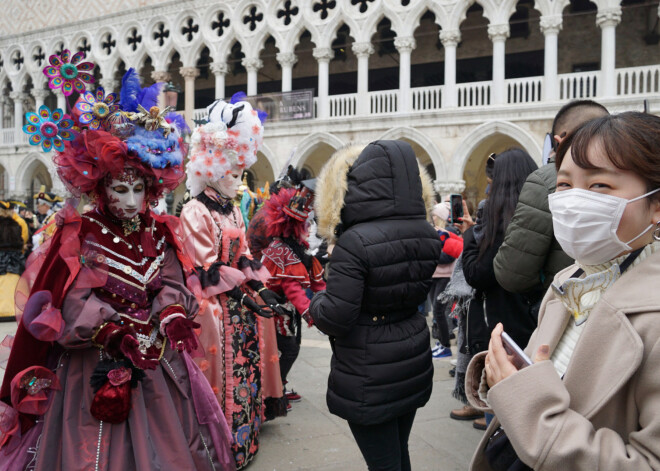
{"x": 655, "y": 206}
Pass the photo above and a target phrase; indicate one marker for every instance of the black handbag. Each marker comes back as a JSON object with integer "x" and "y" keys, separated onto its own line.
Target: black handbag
{"x": 500, "y": 453}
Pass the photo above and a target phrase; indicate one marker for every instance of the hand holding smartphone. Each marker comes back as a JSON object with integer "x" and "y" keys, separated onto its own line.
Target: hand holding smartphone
{"x": 520, "y": 359}
{"x": 456, "y": 204}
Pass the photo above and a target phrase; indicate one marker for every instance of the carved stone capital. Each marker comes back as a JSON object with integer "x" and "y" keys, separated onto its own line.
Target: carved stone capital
{"x": 551, "y": 24}
{"x": 609, "y": 17}
{"x": 189, "y": 73}
{"x": 252, "y": 64}
{"x": 39, "y": 93}
{"x": 161, "y": 76}
{"x": 219, "y": 68}
{"x": 286, "y": 59}
{"x": 498, "y": 32}
{"x": 405, "y": 44}
{"x": 322, "y": 54}
{"x": 109, "y": 84}
{"x": 450, "y": 38}
{"x": 18, "y": 97}
{"x": 448, "y": 187}
{"x": 363, "y": 49}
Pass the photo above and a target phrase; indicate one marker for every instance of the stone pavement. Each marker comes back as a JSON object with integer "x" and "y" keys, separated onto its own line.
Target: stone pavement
{"x": 310, "y": 438}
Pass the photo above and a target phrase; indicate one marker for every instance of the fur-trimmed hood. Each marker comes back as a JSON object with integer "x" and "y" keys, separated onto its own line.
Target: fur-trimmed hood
{"x": 380, "y": 181}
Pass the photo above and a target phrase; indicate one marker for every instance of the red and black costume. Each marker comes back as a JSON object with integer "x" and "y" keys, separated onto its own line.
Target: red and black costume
{"x": 292, "y": 271}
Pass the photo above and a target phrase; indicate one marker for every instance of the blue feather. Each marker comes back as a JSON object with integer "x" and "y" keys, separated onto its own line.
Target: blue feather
{"x": 238, "y": 96}
{"x": 178, "y": 122}
{"x": 130, "y": 90}
{"x": 148, "y": 97}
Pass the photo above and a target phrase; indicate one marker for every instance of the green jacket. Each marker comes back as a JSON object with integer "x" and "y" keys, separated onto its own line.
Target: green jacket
{"x": 530, "y": 255}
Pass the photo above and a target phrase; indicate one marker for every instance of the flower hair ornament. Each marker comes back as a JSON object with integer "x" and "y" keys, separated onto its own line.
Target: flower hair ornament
{"x": 229, "y": 140}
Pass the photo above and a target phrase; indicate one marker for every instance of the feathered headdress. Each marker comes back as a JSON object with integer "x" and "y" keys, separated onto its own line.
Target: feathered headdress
{"x": 229, "y": 140}
{"x": 103, "y": 135}
{"x": 280, "y": 220}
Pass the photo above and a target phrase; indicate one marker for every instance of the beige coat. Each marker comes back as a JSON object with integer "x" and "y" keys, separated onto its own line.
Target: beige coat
{"x": 605, "y": 414}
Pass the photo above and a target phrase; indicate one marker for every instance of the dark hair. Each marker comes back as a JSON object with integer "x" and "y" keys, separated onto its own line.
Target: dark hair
{"x": 574, "y": 114}
{"x": 631, "y": 141}
{"x": 511, "y": 169}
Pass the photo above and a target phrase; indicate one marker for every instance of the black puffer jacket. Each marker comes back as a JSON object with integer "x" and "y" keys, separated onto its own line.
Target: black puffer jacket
{"x": 380, "y": 271}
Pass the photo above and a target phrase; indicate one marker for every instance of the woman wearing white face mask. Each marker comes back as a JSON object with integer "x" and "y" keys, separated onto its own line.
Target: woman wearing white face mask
{"x": 590, "y": 399}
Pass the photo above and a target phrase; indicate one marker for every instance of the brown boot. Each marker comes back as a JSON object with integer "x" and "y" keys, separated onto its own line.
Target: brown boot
{"x": 480, "y": 424}
{"x": 466, "y": 413}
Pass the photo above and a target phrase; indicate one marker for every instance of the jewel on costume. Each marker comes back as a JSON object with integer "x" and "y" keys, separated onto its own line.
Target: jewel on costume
{"x": 69, "y": 76}
{"x": 96, "y": 108}
{"x": 48, "y": 129}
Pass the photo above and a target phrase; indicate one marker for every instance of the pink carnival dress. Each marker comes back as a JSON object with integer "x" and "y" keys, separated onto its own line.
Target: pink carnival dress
{"x": 241, "y": 360}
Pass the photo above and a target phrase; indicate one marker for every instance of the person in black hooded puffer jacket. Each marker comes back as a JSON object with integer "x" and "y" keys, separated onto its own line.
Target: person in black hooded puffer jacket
{"x": 373, "y": 203}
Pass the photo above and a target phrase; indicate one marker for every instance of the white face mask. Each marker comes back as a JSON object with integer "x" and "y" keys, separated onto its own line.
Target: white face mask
{"x": 125, "y": 196}
{"x": 585, "y": 224}
{"x": 228, "y": 185}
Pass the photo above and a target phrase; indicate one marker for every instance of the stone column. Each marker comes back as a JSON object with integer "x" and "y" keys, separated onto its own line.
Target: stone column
{"x": 109, "y": 84}
{"x": 363, "y": 51}
{"x": 189, "y": 74}
{"x": 161, "y": 76}
{"x": 3, "y": 100}
{"x": 498, "y": 35}
{"x": 252, "y": 65}
{"x": 19, "y": 98}
{"x": 61, "y": 102}
{"x": 450, "y": 40}
{"x": 39, "y": 95}
{"x": 550, "y": 27}
{"x": 219, "y": 69}
{"x": 323, "y": 56}
{"x": 404, "y": 45}
{"x": 287, "y": 60}
{"x": 608, "y": 20}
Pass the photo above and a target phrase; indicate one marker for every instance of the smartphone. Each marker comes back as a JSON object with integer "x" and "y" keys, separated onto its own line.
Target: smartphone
{"x": 456, "y": 203}
{"x": 520, "y": 359}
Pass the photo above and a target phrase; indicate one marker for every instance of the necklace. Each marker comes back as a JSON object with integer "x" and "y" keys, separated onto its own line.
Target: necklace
{"x": 131, "y": 225}
{"x": 105, "y": 230}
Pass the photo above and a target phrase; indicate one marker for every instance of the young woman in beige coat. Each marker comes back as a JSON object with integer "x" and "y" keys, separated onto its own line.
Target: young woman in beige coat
{"x": 591, "y": 400}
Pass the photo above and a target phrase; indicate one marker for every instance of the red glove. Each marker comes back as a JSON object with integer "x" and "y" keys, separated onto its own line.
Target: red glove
{"x": 129, "y": 347}
{"x": 119, "y": 340}
{"x": 180, "y": 331}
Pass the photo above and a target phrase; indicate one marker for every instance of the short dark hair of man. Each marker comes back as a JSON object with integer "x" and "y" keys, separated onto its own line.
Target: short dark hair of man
{"x": 572, "y": 115}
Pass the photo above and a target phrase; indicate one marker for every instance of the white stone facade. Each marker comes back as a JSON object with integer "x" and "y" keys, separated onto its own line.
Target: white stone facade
{"x": 452, "y": 127}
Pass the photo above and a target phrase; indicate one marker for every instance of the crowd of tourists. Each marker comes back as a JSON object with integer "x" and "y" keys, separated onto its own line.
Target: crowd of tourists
{"x": 152, "y": 341}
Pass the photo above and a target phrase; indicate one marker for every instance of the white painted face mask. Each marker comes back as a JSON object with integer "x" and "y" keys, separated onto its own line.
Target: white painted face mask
{"x": 585, "y": 224}
{"x": 125, "y": 196}
{"x": 228, "y": 185}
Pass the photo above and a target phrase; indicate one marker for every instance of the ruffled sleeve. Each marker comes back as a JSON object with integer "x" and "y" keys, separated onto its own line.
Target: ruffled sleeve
{"x": 199, "y": 237}
{"x": 174, "y": 290}
{"x": 83, "y": 313}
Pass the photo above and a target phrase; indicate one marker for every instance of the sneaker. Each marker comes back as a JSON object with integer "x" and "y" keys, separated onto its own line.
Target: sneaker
{"x": 452, "y": 372}
{"x": 292, "y": 396}
{"x": 442, "y": 352}
{"x": 288, "y": 407}
{"x": 453, "y": 362}
{"x": 437, "y": 347}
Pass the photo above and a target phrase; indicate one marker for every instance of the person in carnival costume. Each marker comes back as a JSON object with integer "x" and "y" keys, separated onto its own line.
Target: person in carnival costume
{"x": 238, "y": 333}
{"x": 100, "y": 374}
{"x": 13, "y": 236}
{"x": 293, "y": 270}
